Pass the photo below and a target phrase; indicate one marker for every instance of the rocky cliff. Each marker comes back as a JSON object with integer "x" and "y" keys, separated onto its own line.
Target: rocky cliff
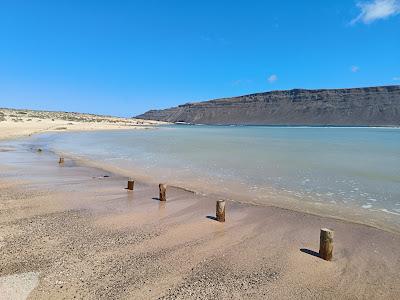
{"x": 356, "y": 106}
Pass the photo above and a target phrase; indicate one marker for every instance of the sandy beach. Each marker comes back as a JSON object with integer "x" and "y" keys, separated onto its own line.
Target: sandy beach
{"x": 15, "y": 123}
{"x": 73, "y": 231}
{"x": 200, "y": 150}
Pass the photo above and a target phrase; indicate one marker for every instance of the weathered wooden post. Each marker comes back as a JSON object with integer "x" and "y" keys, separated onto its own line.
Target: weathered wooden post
{"x": 61, "y": 160}
{"x": 131, "y": 184}
{"x": 220, "y": 214}
{"x": 163, "y": 190}
{"x": 326, "y": 244}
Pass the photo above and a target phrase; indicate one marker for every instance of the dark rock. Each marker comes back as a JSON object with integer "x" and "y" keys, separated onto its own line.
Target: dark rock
{"x": 379, "y": 106}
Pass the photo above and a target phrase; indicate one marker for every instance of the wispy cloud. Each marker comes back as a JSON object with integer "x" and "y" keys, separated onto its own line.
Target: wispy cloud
{"x": 376, "y": 10}
{"x": 354, "y": 69}
{"x": 396, "y": 78}
{"x": 272, "y": 78}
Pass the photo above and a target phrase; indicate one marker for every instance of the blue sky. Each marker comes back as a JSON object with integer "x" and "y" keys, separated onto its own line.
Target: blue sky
{"x": 125, "y": 57}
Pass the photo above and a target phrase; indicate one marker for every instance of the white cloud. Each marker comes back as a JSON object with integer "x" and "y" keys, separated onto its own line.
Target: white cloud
{"x": 354, "y": 69}
{"x": 376, "y": 10}
{"x": 272, "y": 78}
{"x": 396, "y": 78}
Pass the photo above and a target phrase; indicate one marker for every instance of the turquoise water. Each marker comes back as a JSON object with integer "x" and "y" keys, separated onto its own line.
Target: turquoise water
{"x": 348, "y": 167}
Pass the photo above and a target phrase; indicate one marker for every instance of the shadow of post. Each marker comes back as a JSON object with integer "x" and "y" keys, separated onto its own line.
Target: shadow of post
{"x": 212, "y": 218}
{"x": 310, "y": 252}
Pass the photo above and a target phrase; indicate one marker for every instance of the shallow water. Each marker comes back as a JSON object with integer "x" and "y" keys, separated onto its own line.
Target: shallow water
{"x": 357, "y": 168}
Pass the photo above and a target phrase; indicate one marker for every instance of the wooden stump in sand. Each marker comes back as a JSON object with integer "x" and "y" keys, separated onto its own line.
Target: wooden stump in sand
{"x": 163, "y": 190}
{"x": 131, "y": 184}
{"x": 326, "y": 244}
{"x": 220, "y": 214}
{"x": 61, "y": 160}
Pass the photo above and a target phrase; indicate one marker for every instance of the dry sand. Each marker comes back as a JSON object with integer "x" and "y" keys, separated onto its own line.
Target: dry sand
{"x": 18, "y": 286}
{"x": 17, "y": 122}
{"x": 81, "y": 234}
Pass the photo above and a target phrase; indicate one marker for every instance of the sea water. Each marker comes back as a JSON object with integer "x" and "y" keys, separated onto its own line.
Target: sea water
{"x": 357, "y": 168}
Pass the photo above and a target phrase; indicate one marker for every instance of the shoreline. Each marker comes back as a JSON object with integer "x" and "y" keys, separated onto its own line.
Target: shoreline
{"x": 327, "y": 210}
{"x": 20, "y": 123}
{"x": 376, "y": 219}
{"x": 292, "y": 126}
{"x": 87, "y": 236}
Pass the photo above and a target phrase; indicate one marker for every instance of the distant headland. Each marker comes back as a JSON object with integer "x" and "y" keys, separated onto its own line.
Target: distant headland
{"x": 369, "y": 106}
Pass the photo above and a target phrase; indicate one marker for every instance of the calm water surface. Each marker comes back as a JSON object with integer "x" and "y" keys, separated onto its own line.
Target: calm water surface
{"x": 352, "y": 167}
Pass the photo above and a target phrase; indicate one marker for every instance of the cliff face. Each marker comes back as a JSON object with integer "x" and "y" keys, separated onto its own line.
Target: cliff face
{"x": 357, "y": 106}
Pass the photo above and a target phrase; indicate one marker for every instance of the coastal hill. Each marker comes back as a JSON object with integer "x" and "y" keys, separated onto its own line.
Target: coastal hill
{"x": 379, "y": 106}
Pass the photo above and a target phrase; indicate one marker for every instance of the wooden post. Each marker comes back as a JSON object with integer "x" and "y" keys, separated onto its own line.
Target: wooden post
{"x": 163, "y": 190}
{"x": 326, "y": 244}
{"x": 131, "y": 184}
{"x": 220, "y": 214}
{"x": 61, "y": 161}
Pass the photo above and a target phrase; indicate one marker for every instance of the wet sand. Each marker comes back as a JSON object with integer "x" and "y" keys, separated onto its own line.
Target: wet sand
{"x": 86, "y": 236}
